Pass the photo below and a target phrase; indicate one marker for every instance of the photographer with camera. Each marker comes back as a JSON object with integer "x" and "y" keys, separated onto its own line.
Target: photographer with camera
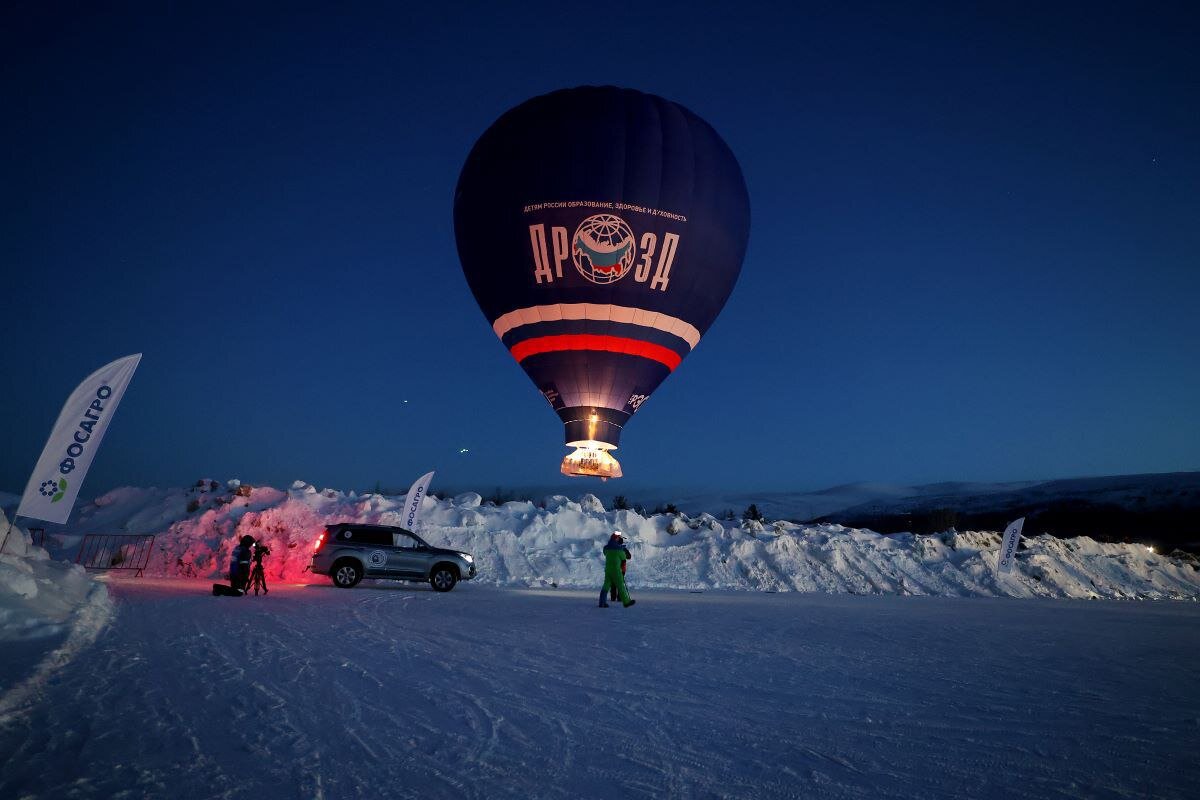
{"x": 239, "y": 564}
{"x": 257, "y": 578}
{"x": 239, "y": 570}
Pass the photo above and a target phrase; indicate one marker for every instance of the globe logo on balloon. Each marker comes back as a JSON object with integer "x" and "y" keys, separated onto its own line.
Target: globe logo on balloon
{"x": 603, "y": 248}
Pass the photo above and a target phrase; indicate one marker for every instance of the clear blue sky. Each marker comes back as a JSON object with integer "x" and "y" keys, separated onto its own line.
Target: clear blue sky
{"x": 975, "y": 246}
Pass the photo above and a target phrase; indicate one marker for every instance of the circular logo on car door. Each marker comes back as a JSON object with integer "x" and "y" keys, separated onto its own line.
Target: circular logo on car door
{"x": 377, "y": 558}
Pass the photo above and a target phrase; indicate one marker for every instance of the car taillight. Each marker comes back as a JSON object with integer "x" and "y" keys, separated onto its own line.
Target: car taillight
{"x": 320, "y": 542}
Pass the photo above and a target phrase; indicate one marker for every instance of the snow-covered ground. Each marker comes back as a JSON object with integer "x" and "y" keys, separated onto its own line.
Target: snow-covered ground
{"x": 396, "y": 691}
{"x": 49, "y": 611}
{"x": 752, "y": 665}
{"x": 556, "y": 543}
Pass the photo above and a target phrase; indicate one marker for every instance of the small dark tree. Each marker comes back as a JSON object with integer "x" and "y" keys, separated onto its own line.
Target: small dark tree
{"x": 728, "y": 514}
{"x": 499, "y": 497}
{"x": 620, "y": 503}
{"x": 193, "y": 505}
{"x": 671, "y": 509}
{"x": 752, "y": 512}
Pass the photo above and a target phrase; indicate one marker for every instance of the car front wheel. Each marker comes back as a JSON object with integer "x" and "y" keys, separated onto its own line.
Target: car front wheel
{"x": 443, "y": 578}
{"x": 346, "y": 574}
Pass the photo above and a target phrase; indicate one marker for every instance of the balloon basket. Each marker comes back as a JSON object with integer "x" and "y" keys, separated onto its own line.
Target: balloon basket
{"x": 591, "y": 462}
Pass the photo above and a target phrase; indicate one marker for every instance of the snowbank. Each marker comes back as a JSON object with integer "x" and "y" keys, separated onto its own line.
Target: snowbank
{"x": 49, "y": 610}
{"x": 557, "y": 542}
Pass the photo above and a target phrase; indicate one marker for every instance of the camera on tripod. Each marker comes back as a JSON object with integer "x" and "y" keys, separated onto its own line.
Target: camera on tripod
{"x": 258, "y": 579}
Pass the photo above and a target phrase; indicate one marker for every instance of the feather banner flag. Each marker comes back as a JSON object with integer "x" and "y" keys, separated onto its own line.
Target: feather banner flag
{"x": 74, "y": 440}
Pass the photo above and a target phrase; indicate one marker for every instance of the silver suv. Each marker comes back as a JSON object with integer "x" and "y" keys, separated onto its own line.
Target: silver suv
{"x": 348, "y": 552}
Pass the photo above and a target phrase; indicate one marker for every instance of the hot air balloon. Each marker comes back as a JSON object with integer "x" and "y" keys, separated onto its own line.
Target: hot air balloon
{"x": 601, "y": 231}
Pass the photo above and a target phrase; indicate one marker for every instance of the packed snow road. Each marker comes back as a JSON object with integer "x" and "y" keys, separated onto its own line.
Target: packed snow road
{"x": 391, "y": 690}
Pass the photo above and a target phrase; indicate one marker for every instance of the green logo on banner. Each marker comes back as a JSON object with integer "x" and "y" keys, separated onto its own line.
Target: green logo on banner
{"x": 54, "y": 489}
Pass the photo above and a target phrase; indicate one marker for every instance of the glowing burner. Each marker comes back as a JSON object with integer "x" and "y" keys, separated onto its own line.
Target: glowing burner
{"x": 591, "y": 458}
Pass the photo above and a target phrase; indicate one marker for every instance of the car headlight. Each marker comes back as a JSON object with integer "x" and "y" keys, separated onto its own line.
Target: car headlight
{"x": 467, "y": 557}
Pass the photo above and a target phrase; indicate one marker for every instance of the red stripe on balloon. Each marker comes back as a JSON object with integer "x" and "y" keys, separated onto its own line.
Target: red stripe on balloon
{"x": 588, "y": 341}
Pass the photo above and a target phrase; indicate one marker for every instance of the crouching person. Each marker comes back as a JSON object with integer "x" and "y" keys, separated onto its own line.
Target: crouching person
{"x": 239, "y": 570}
{"x": 615, "y": 555}
{"x": 239, "y": 564}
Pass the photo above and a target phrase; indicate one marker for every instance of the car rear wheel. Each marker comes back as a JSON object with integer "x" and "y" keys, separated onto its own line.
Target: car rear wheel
{"x": 346, "y": 573}
{"x": 443, "y": 578}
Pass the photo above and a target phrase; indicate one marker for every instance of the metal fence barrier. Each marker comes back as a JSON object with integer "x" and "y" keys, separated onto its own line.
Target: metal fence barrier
{"x": 115, "y": 551}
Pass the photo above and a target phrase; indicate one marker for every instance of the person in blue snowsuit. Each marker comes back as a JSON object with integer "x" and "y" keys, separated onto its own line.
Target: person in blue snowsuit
{"x": 615, "y": 554}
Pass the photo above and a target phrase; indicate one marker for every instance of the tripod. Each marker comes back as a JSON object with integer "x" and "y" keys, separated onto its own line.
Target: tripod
{"x": 257, "y": 578}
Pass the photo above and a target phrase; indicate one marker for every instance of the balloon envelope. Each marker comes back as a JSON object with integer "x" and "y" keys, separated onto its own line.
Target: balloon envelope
{"x": 601, "y": 230}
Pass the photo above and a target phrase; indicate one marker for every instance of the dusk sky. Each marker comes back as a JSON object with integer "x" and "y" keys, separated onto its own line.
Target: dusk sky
{"x": 974, "y": 249}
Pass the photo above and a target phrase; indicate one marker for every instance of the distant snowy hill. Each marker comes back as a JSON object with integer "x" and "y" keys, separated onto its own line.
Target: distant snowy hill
{"x": 1124, "y": 491}
{"x": 1152, "y": 508}
{"x": 1162, "y": 510}
{"x": 807, "y": 506}
{"x": 556, "y": 541}
{"x": 1132, "y": 493}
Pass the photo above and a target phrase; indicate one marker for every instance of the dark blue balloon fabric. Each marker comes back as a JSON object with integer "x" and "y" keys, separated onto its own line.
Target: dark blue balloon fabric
{"x": 601, "y": 231}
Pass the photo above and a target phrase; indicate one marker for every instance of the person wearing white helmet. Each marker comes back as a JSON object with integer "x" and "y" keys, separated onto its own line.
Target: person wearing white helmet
{"x": 615, "y": 556}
